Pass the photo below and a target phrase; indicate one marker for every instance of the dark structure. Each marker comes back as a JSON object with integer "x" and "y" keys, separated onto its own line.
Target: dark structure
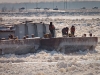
{"x": 62, "y": 44}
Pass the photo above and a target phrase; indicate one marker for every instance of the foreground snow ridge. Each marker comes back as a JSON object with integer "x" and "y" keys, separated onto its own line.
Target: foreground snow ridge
{"x": 51, "y": 63}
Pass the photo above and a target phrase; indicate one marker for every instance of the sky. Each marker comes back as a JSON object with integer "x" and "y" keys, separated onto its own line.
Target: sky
{"x": 18, "y": 1}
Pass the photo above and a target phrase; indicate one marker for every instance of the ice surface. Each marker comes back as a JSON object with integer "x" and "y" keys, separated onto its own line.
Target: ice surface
{"x": 51, "y": 62}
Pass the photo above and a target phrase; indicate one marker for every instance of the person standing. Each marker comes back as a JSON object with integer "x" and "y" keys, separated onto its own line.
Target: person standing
{"x": 72, "y": 30}
{"x": 52, "y": 29}
{"x": 67, "y": 29}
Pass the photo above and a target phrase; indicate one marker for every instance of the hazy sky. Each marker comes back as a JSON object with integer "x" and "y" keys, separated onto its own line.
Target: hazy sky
{"x": 18, "y": 1}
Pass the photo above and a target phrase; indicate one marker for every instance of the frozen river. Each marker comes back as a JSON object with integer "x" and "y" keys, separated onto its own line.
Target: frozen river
{"x": 51, "y": 62}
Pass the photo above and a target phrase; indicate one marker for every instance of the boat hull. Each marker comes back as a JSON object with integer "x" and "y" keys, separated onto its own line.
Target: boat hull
{"x": 62, "y": 44}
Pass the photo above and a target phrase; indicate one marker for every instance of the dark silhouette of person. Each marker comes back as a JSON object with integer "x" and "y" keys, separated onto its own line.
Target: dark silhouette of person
{"x": 65, "y": 31}
{"x": 72, "y": 30}
{"x": 52, "y": 29}
{"x": 11, "y": 36}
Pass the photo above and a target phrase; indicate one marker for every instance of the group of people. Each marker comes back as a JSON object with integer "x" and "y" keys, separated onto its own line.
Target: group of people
{"x": 65, "y": 30}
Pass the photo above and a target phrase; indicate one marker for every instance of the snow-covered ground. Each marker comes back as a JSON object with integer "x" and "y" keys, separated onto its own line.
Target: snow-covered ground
{"x": 53, "y": 63}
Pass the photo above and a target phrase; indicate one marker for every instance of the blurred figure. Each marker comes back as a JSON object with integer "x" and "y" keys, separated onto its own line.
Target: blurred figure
{"x": 24, "y": 37}
{"x": 11, "y": 36}
{"x": 72, "y": 30}
{"x": 84, "y": 35}
{"x": 65, "y": 31}
{"x": 52, "y": 29}
{"x": 27, "y": 36}
{"x": 32, "y": 35}
{"x": 90, "y": 34}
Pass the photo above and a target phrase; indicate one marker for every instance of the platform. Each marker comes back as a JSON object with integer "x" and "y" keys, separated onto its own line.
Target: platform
{"x": 62, "y": 44}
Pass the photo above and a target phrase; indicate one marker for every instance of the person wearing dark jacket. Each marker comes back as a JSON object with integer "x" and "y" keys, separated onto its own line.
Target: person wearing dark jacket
{"x": 72, "y": 30}
{"x": 52, "y": 29}
{"x": 65, "y": 31}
